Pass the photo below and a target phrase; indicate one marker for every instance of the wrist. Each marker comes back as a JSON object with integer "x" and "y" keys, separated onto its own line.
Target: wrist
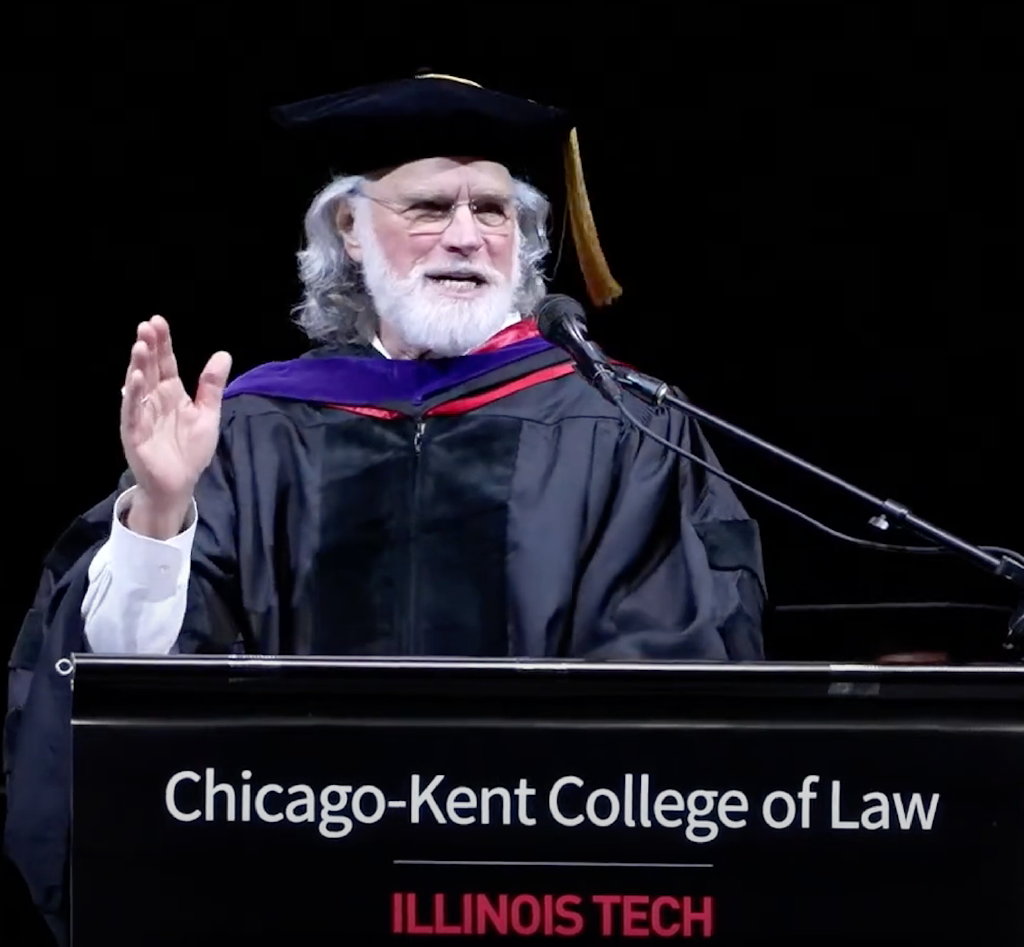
{"x": 156, "y": 518}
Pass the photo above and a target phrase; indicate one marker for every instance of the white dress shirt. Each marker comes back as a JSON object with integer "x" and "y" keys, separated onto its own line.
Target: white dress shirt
{"x": 135, "y": 600}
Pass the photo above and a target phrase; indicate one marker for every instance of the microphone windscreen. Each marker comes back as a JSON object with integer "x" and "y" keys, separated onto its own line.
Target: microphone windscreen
{"x": 553, "y": 309}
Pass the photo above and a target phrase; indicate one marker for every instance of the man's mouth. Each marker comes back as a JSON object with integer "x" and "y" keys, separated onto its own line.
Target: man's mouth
{"x": 458, "y": 279}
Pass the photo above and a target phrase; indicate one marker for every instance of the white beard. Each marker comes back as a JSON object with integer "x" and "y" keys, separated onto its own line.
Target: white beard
{"x": 424, "y": 318}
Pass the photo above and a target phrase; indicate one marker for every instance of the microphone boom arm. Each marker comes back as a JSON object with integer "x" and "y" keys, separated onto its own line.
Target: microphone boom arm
{"x": 1005, "y": 566}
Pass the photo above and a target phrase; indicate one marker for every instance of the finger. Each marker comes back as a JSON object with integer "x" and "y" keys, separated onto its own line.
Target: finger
{"x": 144, "y": 354}
{"x": 143, "y": 360}
{"x": 146, "y": 332}
{"x": 133, "y": 400}
{"x": 213, "y": 380}
{"x": 135, "y": 358}
{"x": 134, "y": 363}
{"x": 166, "y": 363}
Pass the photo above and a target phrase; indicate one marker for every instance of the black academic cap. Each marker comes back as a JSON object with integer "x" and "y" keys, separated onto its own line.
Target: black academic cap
{"x": 388, "y": 124}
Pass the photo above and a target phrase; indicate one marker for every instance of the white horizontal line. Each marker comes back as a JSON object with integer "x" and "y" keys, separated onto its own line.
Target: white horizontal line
{"x": 532, "y": 864}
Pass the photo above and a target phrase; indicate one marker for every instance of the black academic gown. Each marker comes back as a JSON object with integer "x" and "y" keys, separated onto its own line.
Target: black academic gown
{"x": 536, "y": 525}
{"x": 512, "y": 513}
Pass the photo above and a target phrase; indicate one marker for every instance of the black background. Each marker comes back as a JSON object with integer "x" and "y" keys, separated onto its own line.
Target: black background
{"x": 815, "y": 211}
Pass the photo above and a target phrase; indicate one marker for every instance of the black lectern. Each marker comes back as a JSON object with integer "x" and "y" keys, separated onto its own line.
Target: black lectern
{"x": 320, "y": 801}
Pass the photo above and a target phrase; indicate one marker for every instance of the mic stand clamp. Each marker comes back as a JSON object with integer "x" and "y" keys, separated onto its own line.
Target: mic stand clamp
{"x": 659, "y": 393}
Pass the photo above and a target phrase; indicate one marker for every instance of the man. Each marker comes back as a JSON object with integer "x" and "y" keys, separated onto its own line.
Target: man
{"x": 433, "y": 478}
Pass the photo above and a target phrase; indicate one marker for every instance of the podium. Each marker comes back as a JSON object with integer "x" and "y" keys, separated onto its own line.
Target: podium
{"x": 368, "y": 802}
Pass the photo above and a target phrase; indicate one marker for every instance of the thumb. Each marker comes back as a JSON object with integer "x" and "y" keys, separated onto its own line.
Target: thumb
{"x": 213, "y": 380}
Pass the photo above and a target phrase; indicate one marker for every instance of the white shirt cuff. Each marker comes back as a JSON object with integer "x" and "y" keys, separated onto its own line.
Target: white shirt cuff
{"x": 156, "y": 567}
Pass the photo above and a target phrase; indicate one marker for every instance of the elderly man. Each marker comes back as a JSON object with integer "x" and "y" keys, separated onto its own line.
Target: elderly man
{"x": 433, "y": 478}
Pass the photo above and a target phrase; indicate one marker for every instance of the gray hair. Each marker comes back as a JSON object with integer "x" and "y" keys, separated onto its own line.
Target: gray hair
{"x": 336, "y": 306}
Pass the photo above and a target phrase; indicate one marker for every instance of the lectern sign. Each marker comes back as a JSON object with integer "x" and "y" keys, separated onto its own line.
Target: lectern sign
{"x": 700, "y": 814}
{"x": 301, "y": 820}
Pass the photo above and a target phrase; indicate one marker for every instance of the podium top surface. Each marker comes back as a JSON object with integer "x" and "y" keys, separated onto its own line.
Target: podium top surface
{"x": 318, "y": 666}
{"x": 245, "y": 684}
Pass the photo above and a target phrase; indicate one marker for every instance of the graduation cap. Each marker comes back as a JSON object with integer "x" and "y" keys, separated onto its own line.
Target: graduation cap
{"x": 430, "y": 115}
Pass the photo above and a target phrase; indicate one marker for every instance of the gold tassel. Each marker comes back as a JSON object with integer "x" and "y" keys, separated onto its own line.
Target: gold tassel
{"x": 601, "y": 286}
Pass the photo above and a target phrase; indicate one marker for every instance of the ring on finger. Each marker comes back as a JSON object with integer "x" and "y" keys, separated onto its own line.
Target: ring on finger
{"x": 143, "y": 400}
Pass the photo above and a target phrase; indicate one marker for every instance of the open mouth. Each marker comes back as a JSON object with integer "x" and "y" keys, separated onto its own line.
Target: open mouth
{"x": 457, "y": 280}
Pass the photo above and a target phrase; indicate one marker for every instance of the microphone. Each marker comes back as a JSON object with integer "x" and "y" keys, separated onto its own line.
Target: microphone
{"x": 562, "y": 321}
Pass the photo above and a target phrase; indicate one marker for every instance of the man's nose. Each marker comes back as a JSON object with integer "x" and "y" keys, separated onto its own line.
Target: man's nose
{"x": 463, "y": 233}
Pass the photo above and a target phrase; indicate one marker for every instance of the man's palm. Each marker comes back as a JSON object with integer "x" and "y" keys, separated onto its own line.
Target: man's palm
{"x": 169, "y": 439}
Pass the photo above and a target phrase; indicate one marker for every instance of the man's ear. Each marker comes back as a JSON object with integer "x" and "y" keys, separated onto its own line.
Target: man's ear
{"x": 344, "y": 220}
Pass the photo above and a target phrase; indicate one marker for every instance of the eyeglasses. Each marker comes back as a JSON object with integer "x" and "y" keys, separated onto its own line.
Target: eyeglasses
{"x": 434, "y": 215}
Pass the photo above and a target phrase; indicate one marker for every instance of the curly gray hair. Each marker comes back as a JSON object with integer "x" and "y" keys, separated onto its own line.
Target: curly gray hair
{"x": 336, "y": 306}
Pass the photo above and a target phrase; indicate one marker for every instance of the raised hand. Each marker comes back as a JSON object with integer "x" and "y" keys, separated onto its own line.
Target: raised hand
{"x": 168, "y": 438}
